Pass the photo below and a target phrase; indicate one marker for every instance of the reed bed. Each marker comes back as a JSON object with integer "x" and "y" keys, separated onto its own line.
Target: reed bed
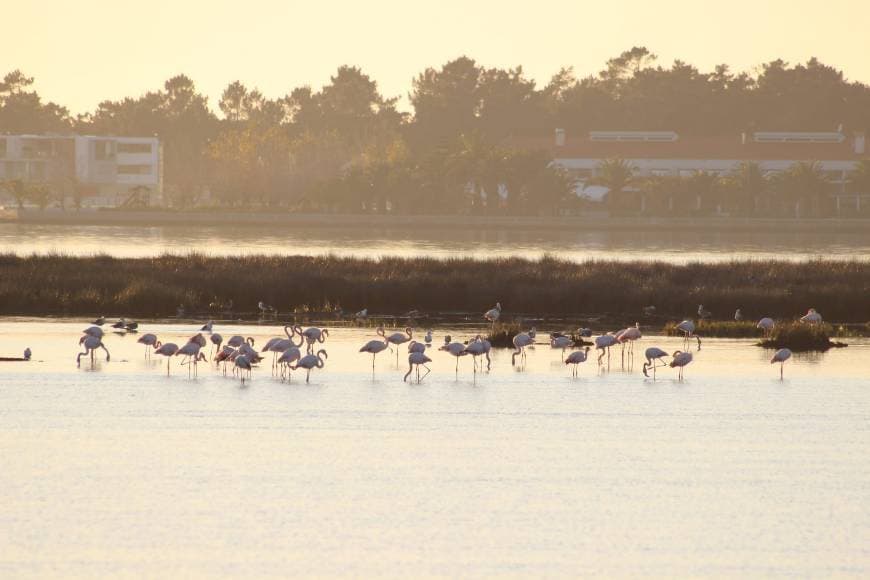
{"x": 801, "y": 337}
{"x": 718, "y": 329}
{"x": 155, "y": 287}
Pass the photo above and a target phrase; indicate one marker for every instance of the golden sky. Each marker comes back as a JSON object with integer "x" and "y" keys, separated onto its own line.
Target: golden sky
{"x": 84, "y": 51}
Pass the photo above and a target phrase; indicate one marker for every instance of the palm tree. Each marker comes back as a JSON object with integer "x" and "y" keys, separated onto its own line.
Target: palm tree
{"x": 615, "y": 175}
{"x": 803, "y": 184}
{"x": 747, "y": 183}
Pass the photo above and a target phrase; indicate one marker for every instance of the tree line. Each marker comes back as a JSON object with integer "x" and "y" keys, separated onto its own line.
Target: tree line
{"x": 347, "y": 147}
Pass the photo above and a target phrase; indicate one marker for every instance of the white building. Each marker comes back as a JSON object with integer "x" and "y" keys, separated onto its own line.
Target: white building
{"x": 665, "y": 153}
{"x": 105, "y": 169}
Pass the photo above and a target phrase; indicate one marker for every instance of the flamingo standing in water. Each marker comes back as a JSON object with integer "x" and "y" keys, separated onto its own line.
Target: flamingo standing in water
{"x": 417, "y": 359}
{"x": 687, "y": 327}
{"x": 313, "y": 335}
{"x": 238, "y": 340}
{"x": 456, "y": 349}
{"x": 151, "y": 343}
{"x": 397, "y": 338}
{"x": 287, "y": 358}
{"x": 780, "y": 357}
{"x": 243, "y": 365}
{"x": 629, "y": 335}
{"x": 168, "y": 350}
{"x": 374, "y": 347}
{"x": 192, "y": 354}
{"x": 479, "y": 347}
{"x": 216, "y": 341}
{"x": 653, "y": 355}
{"x": 311, "y": 361}
{"x": 521, "y": 341}
{"x": 91, "y": 344}
{"x": 603, "y": 343}
{"x": 428, "y": 338}
{"x": 562, "y": 342}
{"x": 94, "y": 331}
{"x": 766, "y": 325}
{"x": 680, "y": 360}
{"x": 575, "y": 358}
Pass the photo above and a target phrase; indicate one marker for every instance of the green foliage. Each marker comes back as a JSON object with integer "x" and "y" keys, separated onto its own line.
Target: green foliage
{"x": 798, "y": 337}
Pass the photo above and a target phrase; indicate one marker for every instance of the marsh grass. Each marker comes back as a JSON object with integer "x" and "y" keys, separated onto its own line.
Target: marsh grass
{"x": 55, "y": 284}
{"x": 718, "y": 329}
{"x": 799, "y": 337}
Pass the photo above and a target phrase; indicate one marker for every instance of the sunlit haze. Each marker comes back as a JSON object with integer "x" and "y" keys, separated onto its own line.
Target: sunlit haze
{"x": 86, "y": 51}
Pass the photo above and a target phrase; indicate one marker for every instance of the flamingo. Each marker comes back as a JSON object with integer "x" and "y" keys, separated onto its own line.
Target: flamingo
{"x": 242, "y": 364}
{"x": 282, "y": 345}
{"x": 313, "y": 335}
{"x": 149, "y": 340}
{"x": 287, "y": 357}
{"x": 603, "y": 343}
{"x": 311, "y": 361}
{"x": 191, "y": 350}
{"x": 493, "y": 314}
{"x": 653, "y": 355}
{"x": 373, "y": 347}
{"x": 428, "y": 338}
{"x": 575, "y": 358}
{"x": 91, "y": 344}
{"x": 415, "y": 346}
{"x": 207, "y": 326}
{"x": 521, "y": 341}
{"x": 780, "y": 357}
{"x": 397, "y": 338}
{"x": 456, "y": 349}
{"x": 417, "y": 359}
{"x": 168, "y": 350}
{"x": 562, "y": 342}
{"x": 703, "y": 312}
{"x": 252, "y": 355}
{"x": 27, "y": 353}
{"x": 226, "y": 354}
{"x": 766, "y": 325}
{"x": 199, "y": 339}
{"x": 216, "y": 341}
{"x": 237, "y": 340}
{"x": 680, "y": 360}
{"x": 94, "y": 331}
{"x": 812, "y": 317}
{"x": 479, "y": 347}
{"x": 688, "y": 329}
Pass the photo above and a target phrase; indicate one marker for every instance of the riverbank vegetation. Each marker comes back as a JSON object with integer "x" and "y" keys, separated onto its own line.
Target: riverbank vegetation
{"x": 801, "y": 337}
{"x": 619, "y": 291}
{"x": 348, "y": 148}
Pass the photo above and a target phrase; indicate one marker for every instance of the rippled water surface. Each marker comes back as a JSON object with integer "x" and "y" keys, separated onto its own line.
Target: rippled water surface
{"x": 674, "y": 246}
{"x": 116, "y": 470}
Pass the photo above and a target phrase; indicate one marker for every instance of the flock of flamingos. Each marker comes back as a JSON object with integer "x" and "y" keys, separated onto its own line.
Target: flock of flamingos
{"x": 296, "y": 350}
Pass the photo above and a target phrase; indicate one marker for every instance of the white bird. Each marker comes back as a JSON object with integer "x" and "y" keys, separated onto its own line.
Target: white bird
{"x": 311, "y": 361}
{"x": 479, "y": 347}
{"x": 456, "y": 349}
{"x": 766, "y": 325}
{"x": 738, "y": 315}
{"x": 192, "y": 354}
{"x": 374, "y": 347}
{"x": 680, "y": 360}
{"x": 207, "y": 326}
{"x": 493, "y": 314}
{"x": 575, "y": 358}
{"x": 603, "y": 343}
{"x": 629, "y": 335}
{"x": 265, "y": 308}
{"x": 688, "y": 329}
{"x": 653, "y": 356}
{"x": 812, "y": 317}
{"x": 703, "y": 312}
{"x": 397, "y": 338}
{"x": 168, "y": 350}
{"x": 99, "y": 321}
{"x": 94, "y": 331}
{"x": 122, "y": 323}
{"x": 361, "y": 316}
{"x": 780, "y": 357}
{"x": 151, "y": 343}
{"x": 562, "y": 342}
{"x": 91, "y": 344}
{"x": 521, "y": 341}
{"x": 417, "y": 359}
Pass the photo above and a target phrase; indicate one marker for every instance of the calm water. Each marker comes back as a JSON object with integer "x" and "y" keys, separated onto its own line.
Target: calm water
{"x": 673, "y": 246}
{"x": 119, "y": 471}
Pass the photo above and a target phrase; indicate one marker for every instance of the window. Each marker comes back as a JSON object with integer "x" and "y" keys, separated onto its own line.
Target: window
{"x": 134, "y": 169}
{"x": 104, "y": 150}
{"x": 134, "y": 147}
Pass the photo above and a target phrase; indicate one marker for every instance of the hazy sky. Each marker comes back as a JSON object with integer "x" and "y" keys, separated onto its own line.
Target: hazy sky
{"x": 84, "y": 51}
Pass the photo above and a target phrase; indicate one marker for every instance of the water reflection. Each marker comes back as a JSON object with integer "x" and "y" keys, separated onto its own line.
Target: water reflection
{"x": 674, "y": 246}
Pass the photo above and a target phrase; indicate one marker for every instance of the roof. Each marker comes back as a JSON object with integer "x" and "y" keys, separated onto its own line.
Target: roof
{"x": 726, "y": 147}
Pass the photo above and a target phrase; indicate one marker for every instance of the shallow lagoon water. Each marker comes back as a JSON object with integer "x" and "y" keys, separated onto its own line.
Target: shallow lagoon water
{"x": 116, "y": 470}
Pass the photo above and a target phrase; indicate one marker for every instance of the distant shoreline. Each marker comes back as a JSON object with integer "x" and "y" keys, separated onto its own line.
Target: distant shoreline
{"x": 326, "y": 221}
